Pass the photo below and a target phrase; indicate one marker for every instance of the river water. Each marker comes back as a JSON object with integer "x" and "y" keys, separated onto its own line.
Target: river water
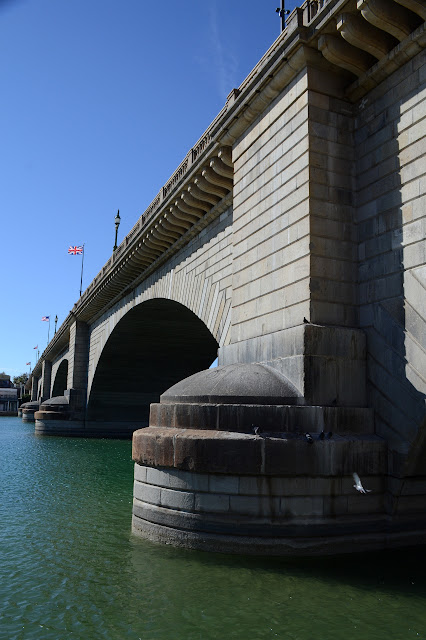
{"x": 70, "y": 567}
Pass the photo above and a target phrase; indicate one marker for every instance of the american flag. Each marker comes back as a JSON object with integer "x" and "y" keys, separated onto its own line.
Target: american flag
{"x": 29, "y": 363}
{"x": 45, "y": 319}
{"x": 36, "y": 347}
{"x": 74, "y": 251}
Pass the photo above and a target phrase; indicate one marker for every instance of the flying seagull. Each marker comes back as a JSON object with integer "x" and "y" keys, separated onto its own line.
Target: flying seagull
{"x": 358, "y": 486}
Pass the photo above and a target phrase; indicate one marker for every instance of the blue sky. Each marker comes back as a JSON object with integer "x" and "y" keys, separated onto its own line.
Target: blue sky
{"x": 101, "y": 100}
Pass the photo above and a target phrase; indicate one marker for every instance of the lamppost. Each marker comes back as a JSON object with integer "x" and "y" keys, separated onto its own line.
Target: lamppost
{"x": 56, "y": 322}
{"x": 117, "y": 224}
{"x": 282, "y": 12}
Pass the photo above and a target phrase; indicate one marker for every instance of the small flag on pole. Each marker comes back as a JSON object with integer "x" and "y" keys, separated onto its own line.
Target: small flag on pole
{"x": 36, "y": 347}
{"x": 45, "y": 319}
{"x": 29, "y": 363}
{"x": 75, "y": 251}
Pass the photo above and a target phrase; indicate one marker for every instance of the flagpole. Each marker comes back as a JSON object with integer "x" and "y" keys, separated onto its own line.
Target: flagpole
{"x": 48, "y": 332}
{"x": 82, "y": 262}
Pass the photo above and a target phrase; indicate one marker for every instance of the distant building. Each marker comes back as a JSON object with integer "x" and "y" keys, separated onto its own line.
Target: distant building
{"x": 8, "y": 396}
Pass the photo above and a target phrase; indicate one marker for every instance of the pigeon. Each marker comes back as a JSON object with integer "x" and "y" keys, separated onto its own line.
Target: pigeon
{"x": 256, "y": 430}
{"x": 321, "y": 435}
{"x": 358, "y": 486}
{"x": 329, "y": 435}
{"x": 309, "y": 438}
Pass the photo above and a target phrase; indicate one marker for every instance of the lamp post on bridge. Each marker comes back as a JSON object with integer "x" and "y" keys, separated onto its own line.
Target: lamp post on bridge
{"x": 117, "y": 224}
{"x": 56, "y": 322}
{"x": 282, "y": 12}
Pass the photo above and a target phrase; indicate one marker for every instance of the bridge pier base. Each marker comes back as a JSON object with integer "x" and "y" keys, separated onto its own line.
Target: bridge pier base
{"x": 52, "y": 426}
{"x": 226, "y": 466}
{"x": 64, "y": 416}
{"x": 28, "y": 410}
{"x": 273, "y": 515}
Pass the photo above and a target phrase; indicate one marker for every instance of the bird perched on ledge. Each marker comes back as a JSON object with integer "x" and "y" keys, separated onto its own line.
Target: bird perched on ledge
{"x": 256, "y": 430}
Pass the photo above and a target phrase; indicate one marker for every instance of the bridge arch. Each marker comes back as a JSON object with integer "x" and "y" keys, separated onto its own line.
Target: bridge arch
{"x": 60, "y": 381}
{"x": 154, "y": 345}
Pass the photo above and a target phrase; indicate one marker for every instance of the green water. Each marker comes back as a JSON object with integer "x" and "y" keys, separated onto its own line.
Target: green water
{"x": 70, "y": 567}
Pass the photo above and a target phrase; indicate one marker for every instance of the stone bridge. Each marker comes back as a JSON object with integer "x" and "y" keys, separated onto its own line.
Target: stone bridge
{"x": 290, "y": 242}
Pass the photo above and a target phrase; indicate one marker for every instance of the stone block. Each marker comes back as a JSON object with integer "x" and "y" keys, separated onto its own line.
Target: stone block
{"x": 365, "y": 503}
{"x": 153, "y": 447}
{"x": 217, "y": 452}
{"x": 147, "y": 493}
{"x": 261, "y": 506}
{"x": 223, "y": 484}
{"x": 215, "y": 503}
{"x": 302, "y": 506}
{"x": 335, "y": 505}
{"x": 157, "y": 477}
{"x": 410, "y": 505}
{"x": 254, "y": 485}
{"x": 413, "y": 487}
{"x": 140, "y": 473}
{"x": 195, "y": 417}
{"x": 338, "y": 456}
{"x": 186, "y": 480}
{"x": 182, "y": 500}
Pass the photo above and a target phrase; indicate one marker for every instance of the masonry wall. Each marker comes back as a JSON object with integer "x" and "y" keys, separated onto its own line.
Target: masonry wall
{"x": 271, "y": 218}
{"x": 333, "y": 241}
{"x": 391, "y": 210}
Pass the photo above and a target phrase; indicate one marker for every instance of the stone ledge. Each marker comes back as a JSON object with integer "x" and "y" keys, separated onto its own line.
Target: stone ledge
{"x": 231, "y": 453}
{"x": 240, "y": 418}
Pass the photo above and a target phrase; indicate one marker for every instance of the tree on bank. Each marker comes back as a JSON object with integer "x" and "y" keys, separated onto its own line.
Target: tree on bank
{"x": 22, "y": 379}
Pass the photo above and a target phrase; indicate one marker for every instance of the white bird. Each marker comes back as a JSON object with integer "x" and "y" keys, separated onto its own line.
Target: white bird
{"x": 358, "y": 486}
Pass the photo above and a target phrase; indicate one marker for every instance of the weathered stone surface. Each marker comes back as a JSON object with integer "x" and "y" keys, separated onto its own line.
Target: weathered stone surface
{"x": 154, "y": 447}
{"x": 234, "y": 384}
{"x": 269, "y": 419}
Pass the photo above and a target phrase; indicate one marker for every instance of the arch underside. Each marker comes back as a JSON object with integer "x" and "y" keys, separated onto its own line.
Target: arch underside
{"x": 154, "y": 345}
{"x": 60, "y": 383}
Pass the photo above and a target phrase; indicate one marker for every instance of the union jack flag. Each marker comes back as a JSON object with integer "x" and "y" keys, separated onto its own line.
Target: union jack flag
{"x": 45, "y": 319}
{"x": 74, "y": 251}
